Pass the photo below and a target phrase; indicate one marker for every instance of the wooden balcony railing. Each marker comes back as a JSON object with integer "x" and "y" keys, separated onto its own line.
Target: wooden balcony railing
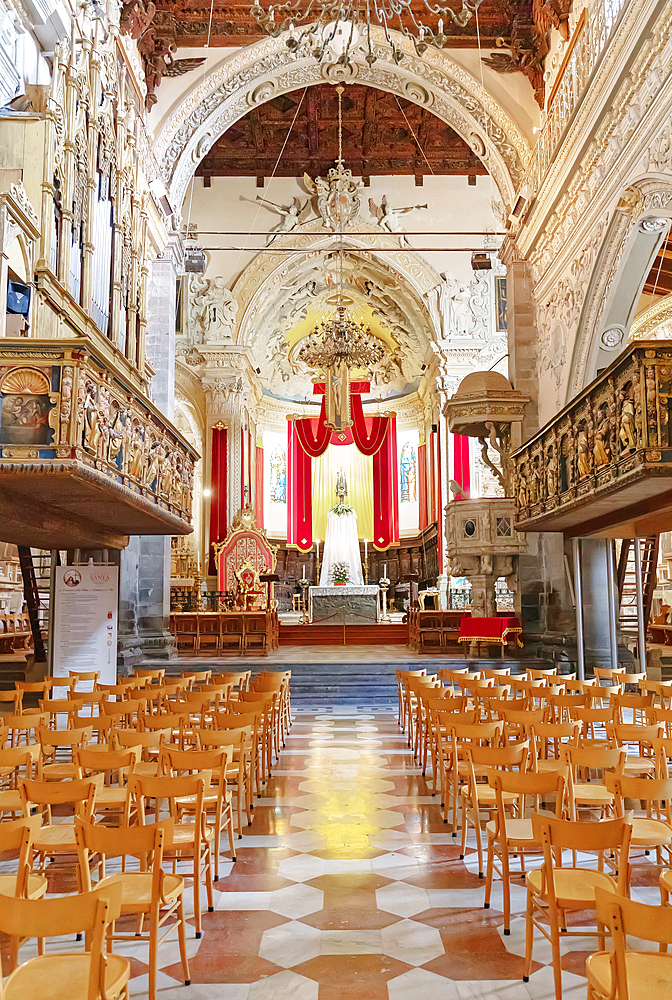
{"x": 603, "y": 465}
{"x": 84, "y": 459}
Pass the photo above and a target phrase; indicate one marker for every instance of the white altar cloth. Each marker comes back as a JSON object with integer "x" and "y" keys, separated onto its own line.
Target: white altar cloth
{"x": 341, "y": 544}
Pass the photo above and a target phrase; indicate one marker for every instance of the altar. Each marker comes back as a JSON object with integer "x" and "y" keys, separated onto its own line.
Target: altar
{"x": 349, "y": 605}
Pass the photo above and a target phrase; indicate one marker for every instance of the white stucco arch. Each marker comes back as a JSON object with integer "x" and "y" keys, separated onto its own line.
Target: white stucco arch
{"x": 621, "y": 267}
{"x": 267, "y": 69}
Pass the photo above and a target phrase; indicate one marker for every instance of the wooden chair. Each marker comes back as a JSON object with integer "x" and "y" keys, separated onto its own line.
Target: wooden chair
{"x": 548, "y": 739}
{"x": 592, "y": 720}
{"x": 459, "y": 737}
{"x": 18, "y": 728}
{"x": 17, "y": 835}
{"x": 53, "y": 839}
{"x": 149, "y": 892}
{"x": 631, "y": 975}
{"x": 638, "y": 704}
{"x": 591, "y": 794}
{"x": 239, "y": 771}
{"x": 478, "y": 796}
{"x": 622, "y": 735}
{"x": 217, "y": 797}
{"x": 190, "y": 841}
{"x": 13, "y": 698}
{"x": 89, "y": 975}
{"x": 662, "y": 715}
{"x": 553, "y": 890}
{"x": 150, "y": 675}
{"x": 515, "y": 835}
{"x": 56, "y": 761}
{"x": 115, "y": 766}
{"x": 197, "y": 676}
{"x": 15, "y": 763}
{"x": 651, "y": 826}
{"x": 151, "y": 743}
{"x": 78, "y": 676}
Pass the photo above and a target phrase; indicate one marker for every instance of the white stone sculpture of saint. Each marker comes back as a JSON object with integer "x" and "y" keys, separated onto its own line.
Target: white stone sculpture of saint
{"x": 213, "y": 309}
{"x": 456, "y": 316}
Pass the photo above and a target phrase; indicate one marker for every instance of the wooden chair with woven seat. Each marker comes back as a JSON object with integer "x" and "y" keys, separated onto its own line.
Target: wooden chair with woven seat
{"x": 115, "y": 766}
{"x": 17, "y": 835}
{"x": 514, "y": 835}
{"x": 148, "y": 892}
{"x": 239, "y": 771}
{"x": 53, "y": 839}
{"x": 190, "y": 841}
{"x": 479, "y": 796}
{"x": 217, "y": 797}
{"x": 87, "y": 975}
{"x": 652, "y": 823}
{"x": 15, "y": 763}
{"x": 589, "y": 794}
{"x": 625, "y": 974}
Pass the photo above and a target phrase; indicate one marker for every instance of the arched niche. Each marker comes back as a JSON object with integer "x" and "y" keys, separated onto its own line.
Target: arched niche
{"x": 623, "y": 263}
{"x": 267, "y": 69}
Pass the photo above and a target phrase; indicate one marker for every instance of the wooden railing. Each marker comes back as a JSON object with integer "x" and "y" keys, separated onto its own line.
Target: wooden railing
{"x": 603, "y": 465}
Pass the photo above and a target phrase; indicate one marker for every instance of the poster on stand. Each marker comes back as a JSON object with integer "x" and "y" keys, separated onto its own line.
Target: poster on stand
{"x": 85, "y": 621}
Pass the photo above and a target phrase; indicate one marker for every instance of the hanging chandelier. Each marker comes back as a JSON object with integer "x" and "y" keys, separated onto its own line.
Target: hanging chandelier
{"x": 339, "y": 26}
{"x": 339, "y": 340}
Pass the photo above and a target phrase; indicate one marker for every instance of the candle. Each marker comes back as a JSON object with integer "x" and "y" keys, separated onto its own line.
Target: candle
{"x": 366, "y": 549}
{"x": 385, "y": 571}
{"x": 317, "y": 549}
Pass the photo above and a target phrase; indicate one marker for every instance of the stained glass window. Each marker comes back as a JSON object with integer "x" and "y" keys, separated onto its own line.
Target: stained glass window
{"x": 409, "y": 474}
{"x": 278, "y": 475}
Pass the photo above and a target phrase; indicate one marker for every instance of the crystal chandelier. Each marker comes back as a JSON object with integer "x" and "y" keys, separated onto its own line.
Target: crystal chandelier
{"x": 340, "y": 340}
{"x": 338, "y": 25}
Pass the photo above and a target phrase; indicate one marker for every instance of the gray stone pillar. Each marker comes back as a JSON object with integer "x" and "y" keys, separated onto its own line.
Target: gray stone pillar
{"x": 595, "y": 602}
{"x": 144, "y": 598}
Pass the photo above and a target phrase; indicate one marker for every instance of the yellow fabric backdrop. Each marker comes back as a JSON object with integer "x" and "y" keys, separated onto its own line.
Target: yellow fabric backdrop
{"x": 358, "y": 471}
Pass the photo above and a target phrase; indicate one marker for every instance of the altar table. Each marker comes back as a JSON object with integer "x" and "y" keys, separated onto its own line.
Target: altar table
{"x": 491, "y": 630}
{"x": 349, "y": 605}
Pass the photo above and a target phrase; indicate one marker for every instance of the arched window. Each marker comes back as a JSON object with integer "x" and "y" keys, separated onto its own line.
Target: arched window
{"x": 409, "y": 474}
{"x": 277, "y": 492}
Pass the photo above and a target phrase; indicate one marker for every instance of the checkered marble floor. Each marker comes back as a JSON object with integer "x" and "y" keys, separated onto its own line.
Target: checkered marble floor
{"x": 348, "y": 886}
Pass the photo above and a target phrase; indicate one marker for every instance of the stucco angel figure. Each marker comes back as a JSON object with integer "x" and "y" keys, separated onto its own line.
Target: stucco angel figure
{"x": 214, "y": 308}
{"x": 389, "y": 218}
{"x": 291, "y": 215}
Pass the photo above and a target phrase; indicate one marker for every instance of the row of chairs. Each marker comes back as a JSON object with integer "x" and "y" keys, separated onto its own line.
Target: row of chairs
{"x": 543, "y": 769}
{"x": 151, "y": 791}
{"x": 226, "y": 631}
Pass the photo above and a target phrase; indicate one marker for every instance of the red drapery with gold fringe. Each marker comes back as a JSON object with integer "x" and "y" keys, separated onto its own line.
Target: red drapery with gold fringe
{"x": 299, "y": 507}
{"x": 367, "y": 439}
{"x": 314, "y": 439}
{"x": 218, "y": 497}
{"x": 386, "y": 490}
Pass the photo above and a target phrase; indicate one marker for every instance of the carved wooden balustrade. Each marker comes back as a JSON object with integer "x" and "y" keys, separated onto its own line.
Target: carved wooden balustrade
{"x": 603, "y": 465}
{"x": 84, "y": 461}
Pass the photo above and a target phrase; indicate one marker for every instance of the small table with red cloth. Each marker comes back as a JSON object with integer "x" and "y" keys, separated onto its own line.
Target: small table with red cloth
{"x": 491, "y": 630}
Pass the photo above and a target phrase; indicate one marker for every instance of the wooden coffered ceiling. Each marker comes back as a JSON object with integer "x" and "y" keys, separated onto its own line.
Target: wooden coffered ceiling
{"x": 382, "y": 134}
{"x": 233, "y": 24}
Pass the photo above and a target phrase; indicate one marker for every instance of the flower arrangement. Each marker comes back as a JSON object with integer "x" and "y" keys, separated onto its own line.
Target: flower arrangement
{"x": 342, "y": 508}
{"x": 340, "y": 573}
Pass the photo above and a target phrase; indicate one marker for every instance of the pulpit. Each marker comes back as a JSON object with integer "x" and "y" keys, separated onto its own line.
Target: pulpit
{"x": 242, "y": 558}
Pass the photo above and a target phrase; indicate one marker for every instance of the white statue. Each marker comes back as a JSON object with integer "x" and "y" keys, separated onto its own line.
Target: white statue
{"x": 389, "y": 218}
{"x": 214, "y": 309}
{"x": 291, "y": 215}
{"x": 456, "y": 316}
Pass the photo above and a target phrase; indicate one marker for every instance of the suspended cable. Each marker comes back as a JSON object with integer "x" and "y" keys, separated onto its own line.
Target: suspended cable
{"x": 417, "y": 141}
{"x": 205, "y": 71}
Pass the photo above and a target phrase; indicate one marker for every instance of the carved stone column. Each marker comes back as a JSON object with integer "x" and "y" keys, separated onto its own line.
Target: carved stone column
{"x": 546, "y": 610}
{"x": 145, "y": 564}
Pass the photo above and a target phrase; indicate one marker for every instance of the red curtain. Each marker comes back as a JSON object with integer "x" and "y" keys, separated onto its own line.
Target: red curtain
{"x": 368, "y": 442}
{"x": 218, "y": 513}
{"x": 386, "y": 490}
{"x": 259, "y": 486}
{"x": 461, "y": 467}
{"x": 299, "y": 507}
{"x": 314, "y": 440}
{"x": 422, "y": 486}
{"x": 437, "y": 514}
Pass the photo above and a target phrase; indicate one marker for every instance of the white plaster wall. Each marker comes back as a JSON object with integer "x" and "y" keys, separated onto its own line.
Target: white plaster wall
{"x": 229, "y": 207}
